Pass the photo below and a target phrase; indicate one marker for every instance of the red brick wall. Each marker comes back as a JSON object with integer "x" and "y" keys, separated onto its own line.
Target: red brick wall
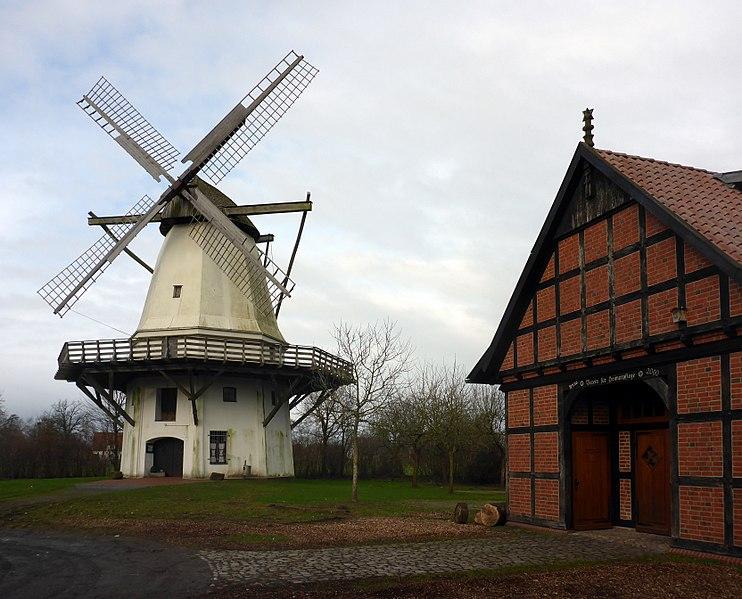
{"x": 547, "y": 345}
{"x": 519, "y": 496}
{"x": 571, "y": 337}
{"x": 660, "y": 307}
{"x": 702, "y": 301}
{"x": 545, "y": 405}
{"x": 735, "y": 299}
{"x": 737, "y": 517}
{"x": 735, "y": 379}
{"x": 625, "y": 499}
{"x": 624, "y": 451}
{"x": 546, "y": 452}
{"x": 625, "y": 227}
{"x": 596, "y": 241}
{"x": 546, "y": 304}
{"x": 527, "y": 317}
{"x": 596, "y": 286}
{"x": 525, "y": 349}
{"x": 699, "y": 385}
{"x": 652, "y": 226}
{"x": 519, "y": 452}
{"x": 627, "y": 274}
{"x": 699, "y": 449}
{"x": 598, "y": 330}
{"x": 629, "y": 322}
{"x": 549, "y": 270}
{"x": 519, "y": 409}
{"x": 661, "y": 262}
{"x": 693, "y": 259}
{"x": 737, "y": 448}
{"x": 702, "y": 514}
{"x": 547, "y": 499}
{"x": 569, "y": 295}
{"x": 569, "y": 253}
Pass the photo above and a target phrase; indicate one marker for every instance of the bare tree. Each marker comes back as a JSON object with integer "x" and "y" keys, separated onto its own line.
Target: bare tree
{"x": 406, "y": 422}
{"x": 451, "y": 422}
{"x": 488, "y": 405}
{"x": 380, "y": 358}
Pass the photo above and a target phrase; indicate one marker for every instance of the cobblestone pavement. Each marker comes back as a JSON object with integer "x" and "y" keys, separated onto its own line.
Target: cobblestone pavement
{"x": 507, "y": 547}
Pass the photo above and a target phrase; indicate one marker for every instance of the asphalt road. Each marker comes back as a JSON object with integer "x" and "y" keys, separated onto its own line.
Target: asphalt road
{"x": 34, "y": 564}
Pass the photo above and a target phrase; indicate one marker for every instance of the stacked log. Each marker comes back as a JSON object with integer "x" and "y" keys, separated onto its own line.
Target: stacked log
{"x": 491, "y": 515}
{"x": 461, "y": 513}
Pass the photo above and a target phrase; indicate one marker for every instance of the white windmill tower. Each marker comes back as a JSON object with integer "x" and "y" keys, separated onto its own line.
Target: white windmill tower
{"x": 208, "y": 377}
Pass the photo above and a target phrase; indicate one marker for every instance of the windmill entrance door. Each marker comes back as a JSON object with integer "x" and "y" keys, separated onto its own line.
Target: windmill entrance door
{"x": 653, "y": 481}
{"x": 168, "y": 456}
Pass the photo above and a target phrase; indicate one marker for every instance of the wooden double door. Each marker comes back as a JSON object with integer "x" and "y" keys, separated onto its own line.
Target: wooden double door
{"x": 592, "y": 481}
{"x": 169, "y": 456}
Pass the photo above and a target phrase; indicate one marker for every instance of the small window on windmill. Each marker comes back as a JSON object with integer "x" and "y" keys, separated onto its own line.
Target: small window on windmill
{"x": 217, "y": 447}
{"x": 176, "y": 290}
{"x": 166, "y": 405}
{"x": 229, "y": 394}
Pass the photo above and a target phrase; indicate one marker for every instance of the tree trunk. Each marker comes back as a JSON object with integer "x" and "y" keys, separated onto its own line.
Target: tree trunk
{"x": 323, "y": 466}
{"x": 450, "y": 471}
{"x": 354, "y": 494}
{"x": 415, "y": 466}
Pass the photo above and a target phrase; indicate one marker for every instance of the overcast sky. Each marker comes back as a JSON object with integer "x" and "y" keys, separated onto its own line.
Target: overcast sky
{"x": 433, "y": 141}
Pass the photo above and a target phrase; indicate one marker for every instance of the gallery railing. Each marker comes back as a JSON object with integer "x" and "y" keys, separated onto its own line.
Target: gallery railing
{"x": 221, "y": 349}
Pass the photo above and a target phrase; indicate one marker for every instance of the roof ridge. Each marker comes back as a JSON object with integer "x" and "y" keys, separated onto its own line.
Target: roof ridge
{"x": 665, "y": 162}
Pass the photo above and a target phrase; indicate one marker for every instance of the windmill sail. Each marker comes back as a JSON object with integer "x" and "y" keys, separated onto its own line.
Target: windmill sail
{"x": 238, "y": 133}
{"x": 126, "y": 125}
{"x": 248, "y": 275}
{"x": 63, "y": 291}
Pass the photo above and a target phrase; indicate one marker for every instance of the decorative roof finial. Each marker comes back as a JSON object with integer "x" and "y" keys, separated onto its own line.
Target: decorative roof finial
{"x": 587, "y": 118}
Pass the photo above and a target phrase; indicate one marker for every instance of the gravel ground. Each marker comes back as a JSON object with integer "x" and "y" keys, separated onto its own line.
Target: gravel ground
{"x": 261, "y": 535}
{"x": 651, "y": 580}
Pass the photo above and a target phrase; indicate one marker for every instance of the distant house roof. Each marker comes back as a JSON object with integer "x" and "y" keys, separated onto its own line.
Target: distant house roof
{"x": 701, "y": 206}
{"x": 104, "y": 440}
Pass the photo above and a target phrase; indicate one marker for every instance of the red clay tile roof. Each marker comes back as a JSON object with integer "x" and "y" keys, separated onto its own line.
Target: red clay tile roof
{"x": 705, "y": 204}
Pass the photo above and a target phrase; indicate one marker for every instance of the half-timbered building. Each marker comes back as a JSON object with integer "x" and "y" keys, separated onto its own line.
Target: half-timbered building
{"x": 620, "y": 355}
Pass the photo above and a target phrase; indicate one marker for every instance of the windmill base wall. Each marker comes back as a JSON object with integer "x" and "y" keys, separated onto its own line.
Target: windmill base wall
{"x": 267, "y": 450}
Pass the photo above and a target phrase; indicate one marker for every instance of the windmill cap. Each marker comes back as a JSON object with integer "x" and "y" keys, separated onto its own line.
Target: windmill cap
{"x": 179, "y": 211}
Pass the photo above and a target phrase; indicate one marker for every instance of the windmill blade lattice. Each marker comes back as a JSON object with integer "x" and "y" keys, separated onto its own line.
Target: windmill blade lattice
{"x": 249, "y": 276}
{"x": 125, "y": 124}
{"x": 59, "y": 288}
{"x": 262, "y": 116}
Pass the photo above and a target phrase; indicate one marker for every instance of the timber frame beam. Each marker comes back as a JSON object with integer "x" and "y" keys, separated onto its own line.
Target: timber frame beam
{"x": 105, "y": 394}
{"x": 190, "y": 392}
{"x": 322, "y": 396}
{"x": 252, "y": 209}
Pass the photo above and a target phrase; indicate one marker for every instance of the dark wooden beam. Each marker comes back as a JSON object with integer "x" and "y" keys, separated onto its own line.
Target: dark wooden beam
{"x": 107, "y": 396}
{"x": 127, "y": 251}
{"x": 192, "y": 397}
{"x": 252, "y": 209}
{"x": 316, "y": 405}
{"x": 96, "y": 400}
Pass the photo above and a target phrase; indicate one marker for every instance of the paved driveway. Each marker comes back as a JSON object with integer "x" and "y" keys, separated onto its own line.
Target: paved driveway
{"x": 34, "y": 565}
{"x": 507, "y": 547}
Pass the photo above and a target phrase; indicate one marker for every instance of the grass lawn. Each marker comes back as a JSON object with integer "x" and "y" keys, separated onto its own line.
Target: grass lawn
{"x": 278, "y": 500}
{"x": 265, "y": 513}
{"x": 22, "y": 488}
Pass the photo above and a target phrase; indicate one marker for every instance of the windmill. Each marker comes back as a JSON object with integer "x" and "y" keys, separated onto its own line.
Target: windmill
{"x": 210, "y": 256}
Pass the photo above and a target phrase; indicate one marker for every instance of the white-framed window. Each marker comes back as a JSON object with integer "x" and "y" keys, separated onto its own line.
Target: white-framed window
{"x": 217, "y": 447}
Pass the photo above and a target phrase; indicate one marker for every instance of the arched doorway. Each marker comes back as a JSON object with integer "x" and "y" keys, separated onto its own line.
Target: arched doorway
{"x": 620, "y": 458}
{"x": 168, "y": 456}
